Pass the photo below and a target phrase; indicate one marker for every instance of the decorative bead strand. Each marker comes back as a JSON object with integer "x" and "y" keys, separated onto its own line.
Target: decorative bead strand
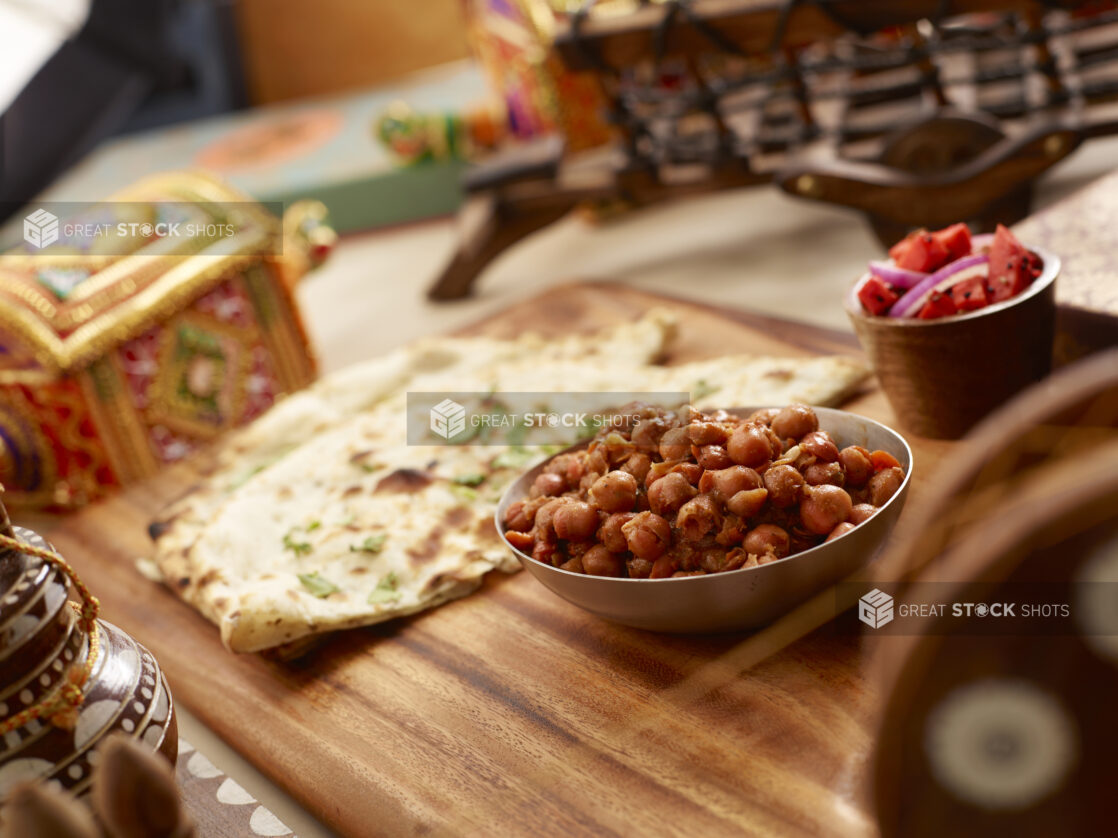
{"x": 60, "y": 707}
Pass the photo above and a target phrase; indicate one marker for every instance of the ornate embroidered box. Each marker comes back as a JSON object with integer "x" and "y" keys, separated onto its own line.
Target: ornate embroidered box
{"x": 143, "y": 328}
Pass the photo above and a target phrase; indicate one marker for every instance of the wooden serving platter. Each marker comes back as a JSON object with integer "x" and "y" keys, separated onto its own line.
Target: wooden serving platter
{"x": 512, "y": 712}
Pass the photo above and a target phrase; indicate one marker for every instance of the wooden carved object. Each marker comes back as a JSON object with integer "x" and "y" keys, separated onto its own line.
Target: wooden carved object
{"x": 987, "y": 731}
{"x": 915, "y": 113}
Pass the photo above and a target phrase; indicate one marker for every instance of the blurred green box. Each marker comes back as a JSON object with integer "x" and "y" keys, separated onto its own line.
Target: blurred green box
{"x": 321, "y": 148}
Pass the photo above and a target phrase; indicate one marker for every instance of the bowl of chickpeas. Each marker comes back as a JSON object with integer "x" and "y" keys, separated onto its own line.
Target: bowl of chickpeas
{"x": 686, "y": 521}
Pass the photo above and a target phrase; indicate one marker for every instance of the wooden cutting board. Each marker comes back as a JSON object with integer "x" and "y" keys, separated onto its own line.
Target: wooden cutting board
{"x": 512, "y": 712}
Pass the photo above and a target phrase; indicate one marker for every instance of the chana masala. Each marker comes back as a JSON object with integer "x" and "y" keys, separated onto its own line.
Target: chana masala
{"x": 685, "y": 493}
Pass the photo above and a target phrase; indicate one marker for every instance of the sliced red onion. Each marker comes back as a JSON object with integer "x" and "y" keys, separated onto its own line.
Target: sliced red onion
{"x": 907, "y": 303}
{"x": 897, "y": 277}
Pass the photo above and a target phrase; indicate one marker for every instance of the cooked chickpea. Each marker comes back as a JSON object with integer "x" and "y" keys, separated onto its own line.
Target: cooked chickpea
{"x": 818, "y": 474}
{"x": 615, "y": 491}
{"x": 707, "y": 433}
{"x": 749, "y": 445}
{"x": 794, "y": 421}
{"x": 517, "y": 517}
{"x": 713, "y": 456}
{"x": 785, "y": 485}
{"x": 733, "y": 530}
{"x": 548, "y": 485}
{"x": 841, "y": 530}
{"x": 573, "y": 565}
{"x": 692, "y": 471}
{"x": 675, "y": 444}
{"x": 861, "y": 512}
{"x": 560, "y": 464}
{"x": 648, "y": 535}
{"x": 543, "y": 523}
{"x": 598, "y": 561}
{"x": 747, "y": 502}
{"x": 820, "y": 444}
{"x": 544, "y": 551}
{"x": 596, "y": 461}
{"x": 638, "y": 465}
{"x": 698, "y": 517}
{"x": 664, "y": 568}
{"x": 727, "y": 482}
{"x": 610, "y": 534}
{"x": 856, "y": 463}
{"x": 638, "y": 568}
{"x": 669, "y": 493}
{"x": 575, "y": 521}
{"x": 767, "y": 538}
{"x": 824, "y": 508}
{"x": 884, "y": 485}
{"x": 713, "y": 560}
{"x": 764, "y": 416}
{"x": 646, "y": 434}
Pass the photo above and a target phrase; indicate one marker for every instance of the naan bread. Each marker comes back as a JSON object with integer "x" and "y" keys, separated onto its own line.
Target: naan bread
{"x": 337, "y": 398}
{"x": 321, "y": 517}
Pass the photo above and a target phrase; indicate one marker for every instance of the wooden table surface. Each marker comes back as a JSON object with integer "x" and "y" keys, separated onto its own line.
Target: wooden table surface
{"x": 512, "y": 712}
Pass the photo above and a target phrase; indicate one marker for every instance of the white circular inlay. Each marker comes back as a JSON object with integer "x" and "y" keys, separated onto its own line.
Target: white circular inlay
{"x": 153, "y": 736}
{"x": 146, "y": 692}
{"x": 26, "y": 697}
{"x": 232, "y": 793}
{"x": 127, "y": 725}
{"x": 92, "y": 720}
{"x": 139, "y": 707}
{"x": 44, "y": 679}
{"x": 264, "y": 822}
{"x": 201, "y": 767}
{"x": 75, "y": 772}
{"x": 1000, "y": 743}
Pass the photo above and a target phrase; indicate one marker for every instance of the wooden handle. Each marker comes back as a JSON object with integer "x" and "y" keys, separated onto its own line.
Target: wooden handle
{"x": 932, "y": 200}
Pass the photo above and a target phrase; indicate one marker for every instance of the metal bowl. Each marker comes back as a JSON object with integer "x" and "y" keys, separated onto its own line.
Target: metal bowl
{"x": 738, "y": 599}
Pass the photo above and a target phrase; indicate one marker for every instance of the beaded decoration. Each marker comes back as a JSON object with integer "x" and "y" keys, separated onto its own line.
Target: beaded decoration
{"x": 60, "y": 707}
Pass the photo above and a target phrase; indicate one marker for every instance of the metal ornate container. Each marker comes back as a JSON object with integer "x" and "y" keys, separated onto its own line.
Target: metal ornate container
{"x": 45, "y": 649}
{"x": 122, "y": 352}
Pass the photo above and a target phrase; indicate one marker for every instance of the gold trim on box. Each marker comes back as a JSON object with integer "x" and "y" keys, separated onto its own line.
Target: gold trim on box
{"x": 111, "y": 309}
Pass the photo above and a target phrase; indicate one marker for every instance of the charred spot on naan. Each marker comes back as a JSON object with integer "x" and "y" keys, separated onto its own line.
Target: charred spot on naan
{"x": 428, "y": 549}
{"x": 157, "y": 529}
{"x": 486, "y": 530}
{"x": 209, "y": 577}
{"x": 404, "y": 480}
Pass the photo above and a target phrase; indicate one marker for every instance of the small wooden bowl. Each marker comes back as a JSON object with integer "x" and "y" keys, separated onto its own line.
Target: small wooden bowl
{"x": 943, "y": 376}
